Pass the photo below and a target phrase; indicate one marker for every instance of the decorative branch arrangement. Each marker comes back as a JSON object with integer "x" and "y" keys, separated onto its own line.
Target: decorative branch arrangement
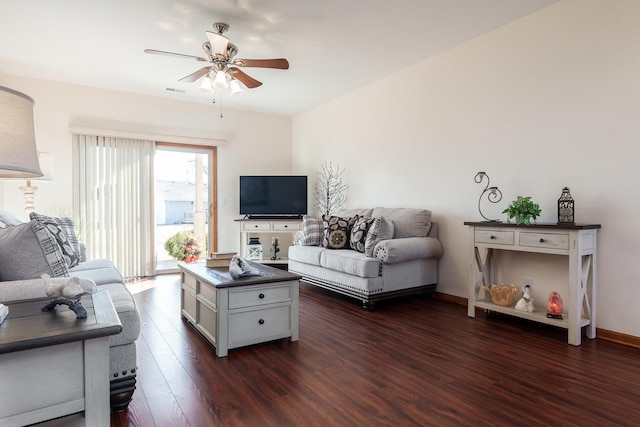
{"x": 329, "y": 190}
{"x": 494, "y": 195}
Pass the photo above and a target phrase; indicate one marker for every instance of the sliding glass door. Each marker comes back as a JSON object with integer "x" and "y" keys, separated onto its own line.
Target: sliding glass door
{"x": 184, "y": 196}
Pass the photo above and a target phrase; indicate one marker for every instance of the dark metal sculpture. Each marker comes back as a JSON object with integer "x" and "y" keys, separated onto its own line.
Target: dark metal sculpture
{"x": 74, "y": 304}
{"x": 494, "y": 195}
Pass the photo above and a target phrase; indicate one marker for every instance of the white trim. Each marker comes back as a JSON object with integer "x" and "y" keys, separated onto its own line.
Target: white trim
{"x": 179, "y": 139}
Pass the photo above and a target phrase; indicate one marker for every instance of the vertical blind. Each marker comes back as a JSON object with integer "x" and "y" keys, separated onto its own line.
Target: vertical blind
{"x": 113, "y": 200}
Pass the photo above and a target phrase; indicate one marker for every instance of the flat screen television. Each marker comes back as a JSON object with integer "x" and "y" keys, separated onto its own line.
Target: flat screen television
{"x": 273, "y": 196}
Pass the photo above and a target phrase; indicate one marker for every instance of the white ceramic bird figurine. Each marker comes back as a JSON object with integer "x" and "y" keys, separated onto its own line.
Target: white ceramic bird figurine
{"x": 69, "y": 290}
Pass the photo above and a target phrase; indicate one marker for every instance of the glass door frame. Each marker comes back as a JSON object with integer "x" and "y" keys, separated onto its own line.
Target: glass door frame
{"x": 212, "y": 211}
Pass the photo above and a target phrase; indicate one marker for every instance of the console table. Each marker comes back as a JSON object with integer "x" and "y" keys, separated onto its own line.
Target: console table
{"x": 576, "y": 242}
{"x": 53, "y": 364}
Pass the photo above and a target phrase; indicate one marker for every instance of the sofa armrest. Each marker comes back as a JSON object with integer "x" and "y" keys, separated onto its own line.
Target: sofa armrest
{"x": 396, "y": 251}
{"x": 18, "y": 290}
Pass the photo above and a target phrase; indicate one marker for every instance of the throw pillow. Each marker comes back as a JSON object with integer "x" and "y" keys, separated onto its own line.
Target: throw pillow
{"x": 380, "y": 229}
{"x": 313, "y": 231}
{"x": 29, "y": 250}
{"x": 67, "y": 225}
{"x": 337, "y": 231}
{"x": 359, "y": 234}
{"x": 69, "y": 255}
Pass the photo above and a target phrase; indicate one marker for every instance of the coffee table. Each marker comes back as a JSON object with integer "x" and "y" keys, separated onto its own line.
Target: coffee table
{"x": 232, "y": 313}
{"x": 53, "y": 364}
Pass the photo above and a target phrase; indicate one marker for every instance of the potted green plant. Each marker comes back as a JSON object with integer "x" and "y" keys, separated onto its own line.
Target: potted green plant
{"x": 183, "y": 246}
{"x": 524, "y": 210}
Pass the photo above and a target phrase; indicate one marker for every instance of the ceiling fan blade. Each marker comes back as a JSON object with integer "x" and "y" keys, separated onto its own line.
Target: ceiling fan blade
{"x": 218, "y": 43}
{"x": 247, "y": 80}
{"x": 179, "y": 55}
{"x": 279, "y": 63}
{"x": 195, "y": 76}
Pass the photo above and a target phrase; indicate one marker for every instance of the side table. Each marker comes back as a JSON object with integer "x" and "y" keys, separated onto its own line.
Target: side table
{"x": 53, "y": 364}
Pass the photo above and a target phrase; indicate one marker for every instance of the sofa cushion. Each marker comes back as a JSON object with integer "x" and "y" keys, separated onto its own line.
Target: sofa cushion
{"x": 313, "y": 231}
{"x": 8, "y": 219}
{"x": 381, "y": 229}
{"x": 67, "y": 225}
{"x": 29, "y": 250}
{"x": 337, "y": 231}
{"x": 350, "y": 262}
{"x": 358, "y": 234}
{"x": 407, "y": 222}
{"x": 306, "y": 254}
{"x": 367, "y": 213}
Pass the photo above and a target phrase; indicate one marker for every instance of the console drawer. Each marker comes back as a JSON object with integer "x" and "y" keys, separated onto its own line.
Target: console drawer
{"x": 256, "y": 226}
{"x": 248, "y": 326}
{"x": 544, "y": 240}
{"x": 286, "y": 226}
{"x": 494, "y": 237}
{"x": 259, "y": 296}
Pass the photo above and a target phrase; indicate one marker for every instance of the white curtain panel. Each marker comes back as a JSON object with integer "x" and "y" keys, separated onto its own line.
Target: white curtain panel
{"x": 113, "y": 200}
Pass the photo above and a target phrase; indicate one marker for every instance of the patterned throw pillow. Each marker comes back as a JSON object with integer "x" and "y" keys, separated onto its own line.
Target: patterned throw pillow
{"x": 359, "y": 234}
{"x": 380, "y": 229}
{"x": 337, "y": 231}
{"x": 29, "y": 250}
{"x": 313, "y": 231}
{"x": 69, "y": 255}
{"x": 67, "y": 225}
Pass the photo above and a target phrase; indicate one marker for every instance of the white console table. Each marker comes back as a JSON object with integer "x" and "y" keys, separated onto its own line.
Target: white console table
{"x": 265, "y": 230}
{"x": 576, "y": 242}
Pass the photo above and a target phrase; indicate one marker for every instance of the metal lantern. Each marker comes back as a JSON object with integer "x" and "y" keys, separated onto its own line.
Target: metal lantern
{"x": 254, "y": 249}
{"x": 566, "y": 208}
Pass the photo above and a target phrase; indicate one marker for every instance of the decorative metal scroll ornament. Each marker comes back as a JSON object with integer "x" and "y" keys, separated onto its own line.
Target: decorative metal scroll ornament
{"x": 494, "y": 195}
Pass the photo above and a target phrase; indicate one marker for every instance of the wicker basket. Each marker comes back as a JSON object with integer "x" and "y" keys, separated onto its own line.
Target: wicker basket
{"x": 504, "y": 295}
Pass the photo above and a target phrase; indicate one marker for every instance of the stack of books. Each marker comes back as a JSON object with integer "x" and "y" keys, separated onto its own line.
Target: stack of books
{"x": 220, "y": 259}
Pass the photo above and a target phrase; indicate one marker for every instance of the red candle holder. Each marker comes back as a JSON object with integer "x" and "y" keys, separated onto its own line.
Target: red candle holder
{"x": 554, "y": 306}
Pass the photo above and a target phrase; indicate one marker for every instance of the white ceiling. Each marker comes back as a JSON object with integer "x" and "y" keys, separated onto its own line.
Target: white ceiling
{"x": 333, "y": 46}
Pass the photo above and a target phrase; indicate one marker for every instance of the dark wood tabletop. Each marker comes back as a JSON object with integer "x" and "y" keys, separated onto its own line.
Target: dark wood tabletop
{"x": 219, "y": 277}
{"x": 555, "y": 226}
{"x": 27, "y": 326}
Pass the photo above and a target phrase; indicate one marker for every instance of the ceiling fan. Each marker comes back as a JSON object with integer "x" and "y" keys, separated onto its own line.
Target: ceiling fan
{"x": 222, "y": 71}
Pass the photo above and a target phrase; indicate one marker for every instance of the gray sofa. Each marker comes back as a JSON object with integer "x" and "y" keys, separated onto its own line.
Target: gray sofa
{"x": 99, "y": 274}
{"x": 402, "y": 260}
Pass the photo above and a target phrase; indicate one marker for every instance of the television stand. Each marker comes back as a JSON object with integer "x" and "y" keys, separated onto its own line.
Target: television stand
{"x": 266, "y": 217}
{"x": 266, "y": 229}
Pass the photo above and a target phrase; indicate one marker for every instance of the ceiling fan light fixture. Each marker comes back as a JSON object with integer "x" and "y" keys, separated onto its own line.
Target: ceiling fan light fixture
{"x": 220, "y": 81}
{"x": 235, "y": 87}
{"x": 205, "y": 85}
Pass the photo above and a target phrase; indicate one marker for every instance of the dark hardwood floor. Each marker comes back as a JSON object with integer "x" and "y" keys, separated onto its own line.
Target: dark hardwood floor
{"x": 413, "y": 362}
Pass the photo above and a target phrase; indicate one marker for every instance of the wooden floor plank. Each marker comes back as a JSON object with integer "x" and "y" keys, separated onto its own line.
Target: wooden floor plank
{"x": 412, "y": 361}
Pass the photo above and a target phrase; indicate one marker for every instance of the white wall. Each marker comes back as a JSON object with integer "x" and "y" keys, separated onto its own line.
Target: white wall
{"x": 549, "y": 101}
{"x": 257, "y": 143}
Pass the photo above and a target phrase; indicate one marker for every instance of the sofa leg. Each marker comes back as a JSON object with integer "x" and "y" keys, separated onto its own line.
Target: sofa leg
{"x": 121, "y": 393}
{"x": 368, "y": 305}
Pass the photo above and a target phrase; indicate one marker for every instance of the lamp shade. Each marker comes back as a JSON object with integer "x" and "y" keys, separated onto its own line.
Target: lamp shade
{"x": 18, "y": 154}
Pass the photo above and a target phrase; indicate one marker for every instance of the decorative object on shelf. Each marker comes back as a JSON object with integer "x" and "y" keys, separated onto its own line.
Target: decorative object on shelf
{"x": 566, "y": 208}
{"x": 554, "y": 306}
{"x": 183, "y": 246}
{"x": 329, "y": 189}
{"x": 526, "y": 302}
{"x": 254, "y": 248}
{"x": 503, "y": 294}
{"x": 240, "y": 268}
{"x": 64, "y": 294}
{"x": 274, "y": 248}
{"x": 494, "y": 195}
{"x": 524, "y": 210}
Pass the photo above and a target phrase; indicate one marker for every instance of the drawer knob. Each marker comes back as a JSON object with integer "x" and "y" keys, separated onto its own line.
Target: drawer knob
{"x": 261, "y": 321}
{"x": 541, "y": 240}
{"x": 492, "y": 237}
{"x": 261, "y": 296}
{"x": 256, "y": 226}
